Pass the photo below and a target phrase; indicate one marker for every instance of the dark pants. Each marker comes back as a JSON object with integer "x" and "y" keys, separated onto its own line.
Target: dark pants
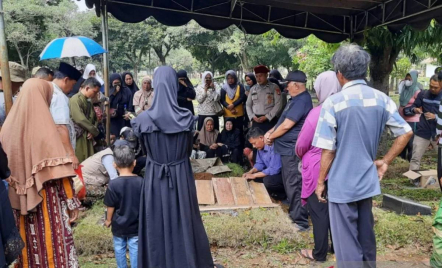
{"x": 408, "y": 150}
{"x": 354, "y": 240}
{"x": 274, "y": 186}
{"x": 141, "y": 163}
{"x": 221, "y": 152}
{"x": 292, "y": 179}
{"x": 265, "y": 126}
{"x": 201, "y": 119}
{"x": 321, "y": 226}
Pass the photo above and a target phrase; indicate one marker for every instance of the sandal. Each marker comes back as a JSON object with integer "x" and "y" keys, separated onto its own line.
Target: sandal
{"x": 304, "y": 253}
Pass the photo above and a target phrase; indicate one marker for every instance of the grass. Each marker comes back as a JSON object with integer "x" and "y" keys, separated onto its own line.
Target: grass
{"x": 268, "y": 233}
{"x": 91, "y": 238}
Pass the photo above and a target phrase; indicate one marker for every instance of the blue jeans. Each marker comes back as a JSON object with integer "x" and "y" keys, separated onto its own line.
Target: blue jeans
{"x": 120, "y": 246}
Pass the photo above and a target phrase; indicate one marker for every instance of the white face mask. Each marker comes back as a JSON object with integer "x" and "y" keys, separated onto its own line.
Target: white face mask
{"x": 408, "y": 83}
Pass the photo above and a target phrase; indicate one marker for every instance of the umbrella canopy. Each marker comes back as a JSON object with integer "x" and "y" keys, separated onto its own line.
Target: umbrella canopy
{"x": 75, "y": 46}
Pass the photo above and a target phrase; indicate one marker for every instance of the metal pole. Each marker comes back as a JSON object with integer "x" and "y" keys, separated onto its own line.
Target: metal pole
{"x": 104, "y": 31}
{"x": 6, "y": 78}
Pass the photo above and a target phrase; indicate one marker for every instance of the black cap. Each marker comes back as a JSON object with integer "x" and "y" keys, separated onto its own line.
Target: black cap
{"x": 296, "y": 76}
{"x": 69, "y": 71}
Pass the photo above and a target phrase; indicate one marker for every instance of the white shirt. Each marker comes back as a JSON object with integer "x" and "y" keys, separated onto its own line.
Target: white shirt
{"x": 60, "y": 112}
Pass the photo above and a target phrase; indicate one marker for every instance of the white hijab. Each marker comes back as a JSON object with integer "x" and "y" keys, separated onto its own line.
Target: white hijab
{"x": 203, "y": 78}
{"x": 89, "y": 68}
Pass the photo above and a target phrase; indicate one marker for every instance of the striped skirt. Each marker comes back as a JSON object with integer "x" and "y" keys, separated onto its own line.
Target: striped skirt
{"x": 47, "y": 232}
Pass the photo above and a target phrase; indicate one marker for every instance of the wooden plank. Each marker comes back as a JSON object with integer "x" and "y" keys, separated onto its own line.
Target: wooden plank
{"x": 223, "y": 191}
{"x": 259, "y": 193}
{"x": 234, "y": 207}
{"x": 204, "y": 192}
{"x": 241, "y": 191}
{"x": 203, "y": 176}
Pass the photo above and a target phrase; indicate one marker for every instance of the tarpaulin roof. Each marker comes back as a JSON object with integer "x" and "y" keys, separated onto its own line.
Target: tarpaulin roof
{"x": 329, "y": 20}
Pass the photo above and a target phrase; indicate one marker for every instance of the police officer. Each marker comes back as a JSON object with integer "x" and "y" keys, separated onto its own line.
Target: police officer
{"x": 264, "y": 101}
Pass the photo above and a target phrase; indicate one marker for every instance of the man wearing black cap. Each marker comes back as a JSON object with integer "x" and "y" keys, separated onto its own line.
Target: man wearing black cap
{"x": 64, "y": 80}
{"x": 284, "y": 136}
{"x": 264, "y": 101}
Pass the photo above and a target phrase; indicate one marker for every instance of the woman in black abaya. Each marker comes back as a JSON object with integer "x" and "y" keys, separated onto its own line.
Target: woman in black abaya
{"x": 171, "y": 232}
{"x": 186, "y": 91}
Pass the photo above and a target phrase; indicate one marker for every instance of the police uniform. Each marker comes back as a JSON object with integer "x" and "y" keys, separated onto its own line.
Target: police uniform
{"x": 264, "y": 100}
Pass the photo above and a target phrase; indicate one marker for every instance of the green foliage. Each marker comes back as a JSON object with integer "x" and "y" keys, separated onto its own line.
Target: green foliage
{"x": 32, "y": 24}
{"x": 315, "y": 56}
{"x": 401, "y": 68}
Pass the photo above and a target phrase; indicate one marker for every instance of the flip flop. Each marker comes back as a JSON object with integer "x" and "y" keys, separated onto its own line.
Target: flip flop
{"x": 304, "y": 253}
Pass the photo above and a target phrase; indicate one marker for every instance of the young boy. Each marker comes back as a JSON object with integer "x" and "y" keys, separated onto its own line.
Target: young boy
{"x": 123, "y": 202}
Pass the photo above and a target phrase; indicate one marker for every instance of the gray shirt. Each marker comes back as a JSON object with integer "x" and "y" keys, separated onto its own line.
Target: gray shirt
{"x": 263, "y": 100}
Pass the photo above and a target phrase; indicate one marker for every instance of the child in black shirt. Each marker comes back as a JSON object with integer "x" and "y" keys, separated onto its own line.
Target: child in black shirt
{"x": 123, "y": 202}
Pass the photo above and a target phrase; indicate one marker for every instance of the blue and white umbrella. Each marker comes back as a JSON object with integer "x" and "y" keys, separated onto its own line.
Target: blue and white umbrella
{"x": 75, "y": 46}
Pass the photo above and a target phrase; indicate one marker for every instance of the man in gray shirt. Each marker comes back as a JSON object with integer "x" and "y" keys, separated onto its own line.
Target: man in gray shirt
{"x": 348, "y": 132}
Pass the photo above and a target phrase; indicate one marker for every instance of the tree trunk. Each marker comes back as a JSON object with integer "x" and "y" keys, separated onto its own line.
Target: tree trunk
{"x": 381, "y": 66}
{"x": 22, "y": 60}
{"x": 391, "y": 87}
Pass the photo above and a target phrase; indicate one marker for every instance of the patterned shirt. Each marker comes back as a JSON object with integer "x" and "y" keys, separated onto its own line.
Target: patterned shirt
{"x": 351, "y": 123}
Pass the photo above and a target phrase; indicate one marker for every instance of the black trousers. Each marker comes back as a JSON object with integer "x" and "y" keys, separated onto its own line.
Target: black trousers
{"x": 321, "y": 226}
{"x": 201, "y": 119}
{"x": 265, "y": 126}
{"x": 408, "y": 150}
{"x": 274, "y": 186}
{"x": 292, "y": 179}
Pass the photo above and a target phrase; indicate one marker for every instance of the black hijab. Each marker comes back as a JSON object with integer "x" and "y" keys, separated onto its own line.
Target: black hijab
{"x": 122, "y": 97}
{"x": 275, "y": 81}
{"x": 230, "y": 138}
{"x": 133, "y": 88}
{"x": 165, "y": 115}
{"x": 252, "y": 77}
{"x": 276, "y": 74}
{"x": 183, "y": 74}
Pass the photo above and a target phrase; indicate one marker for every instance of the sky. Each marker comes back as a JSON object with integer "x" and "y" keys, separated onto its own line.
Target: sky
{"x": 81, "y": 5}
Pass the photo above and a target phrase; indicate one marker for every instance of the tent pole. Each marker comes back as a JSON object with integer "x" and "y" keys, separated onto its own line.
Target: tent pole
{"x": 6, "y": 78}
{"x": 104, "y": 31}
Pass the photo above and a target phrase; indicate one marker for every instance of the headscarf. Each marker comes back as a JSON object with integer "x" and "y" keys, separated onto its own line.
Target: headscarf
{"x": 230, "y": 137}
{"x": 203, "y": 79}
{"x": 408, "y": 92}
{"x": 208, "y": 138}
{"x": 183, "y": 74}
{"x": 276, "y": 82}
{"x": 326, "y": 84}
{"x": 165, "y": 115}
{"x": 123, "y": 96}
{"x": 35, "y": 151}
{"x": 231, "y": 88}
{"x": 141, "y": 96}
{"x": 89, "y": 68}
{"x": 276, "y": 74}
{"x": 133, "y": 88}
{"x": 252, "y": 77}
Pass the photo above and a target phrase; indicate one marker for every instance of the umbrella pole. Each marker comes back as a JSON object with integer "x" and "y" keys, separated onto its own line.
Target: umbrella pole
{"x": 6, "y": 78}
{"x": 104, "y": 30}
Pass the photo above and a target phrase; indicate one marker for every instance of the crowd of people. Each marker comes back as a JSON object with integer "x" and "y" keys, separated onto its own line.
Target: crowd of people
{"x": 320, "y": 161}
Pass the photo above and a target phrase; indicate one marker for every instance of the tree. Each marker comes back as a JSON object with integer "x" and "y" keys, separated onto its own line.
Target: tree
{"x": 315, "y": 56}
{"x": 162, "y": 38}
{"x": 385, "y": 46}
{"x": 32, "y": 24}
{"x": 204, "y": 46}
